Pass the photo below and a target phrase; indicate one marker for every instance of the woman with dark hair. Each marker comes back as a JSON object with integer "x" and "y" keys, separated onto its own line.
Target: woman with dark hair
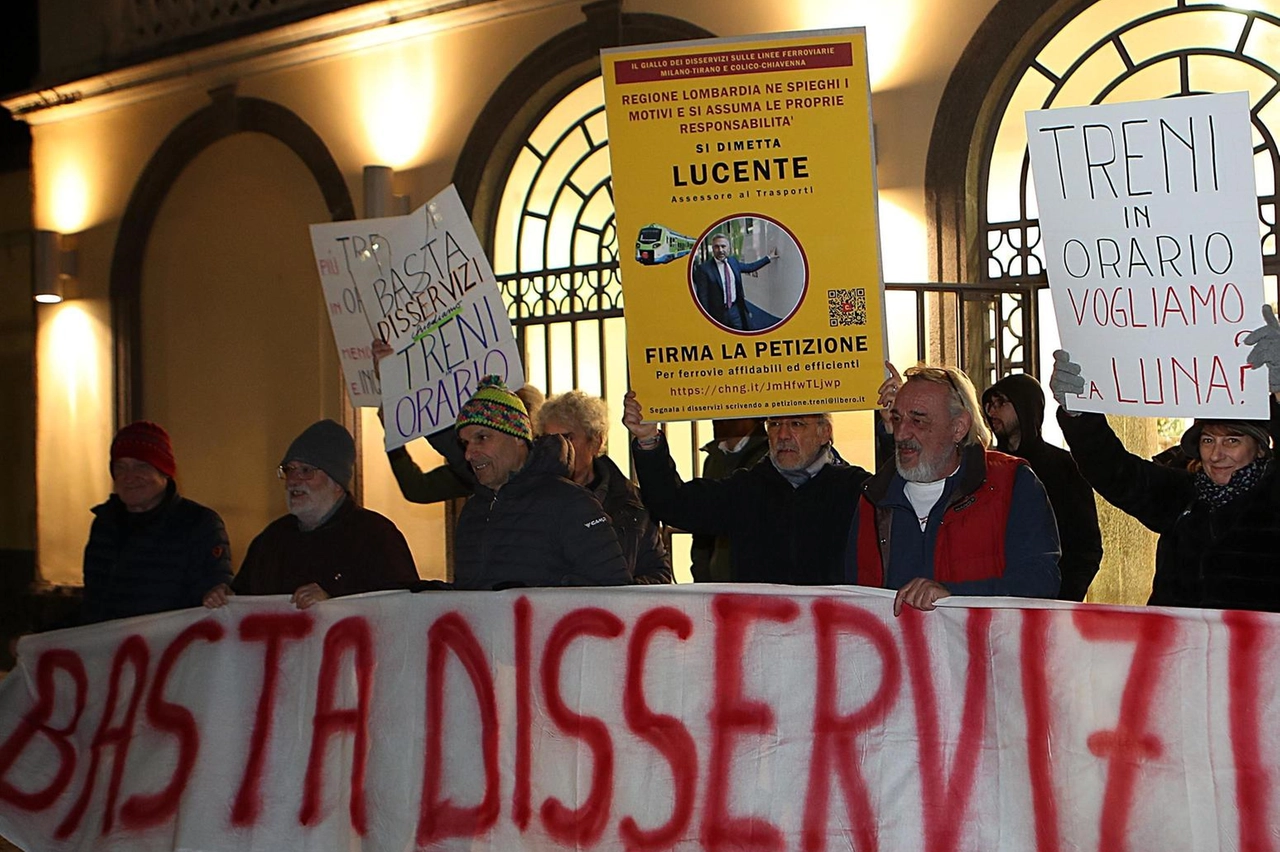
{"x": 1218, "y": 518}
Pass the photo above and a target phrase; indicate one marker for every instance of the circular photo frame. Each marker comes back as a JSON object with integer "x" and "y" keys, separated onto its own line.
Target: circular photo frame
{"x": 748, "y": 274}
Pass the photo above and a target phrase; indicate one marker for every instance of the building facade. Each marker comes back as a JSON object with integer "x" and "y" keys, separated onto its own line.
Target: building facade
{"x": 182, "y": 150}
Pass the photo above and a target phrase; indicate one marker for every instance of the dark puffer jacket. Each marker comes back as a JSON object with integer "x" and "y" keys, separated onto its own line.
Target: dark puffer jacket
{"x": 164, "y": 559}
{"x": 710, "y": 556}
{"x": 1224, "y": 558}
{"x": 1069, "y": 494}
{"x": 540, "y": 529}
{"x": 638, "y": 536}
{"x": 779, "y": 533}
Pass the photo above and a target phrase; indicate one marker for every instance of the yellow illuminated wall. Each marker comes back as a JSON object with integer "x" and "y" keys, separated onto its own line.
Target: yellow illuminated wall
{"x": 237, "y": 357}
{"x": 74, "y": 429}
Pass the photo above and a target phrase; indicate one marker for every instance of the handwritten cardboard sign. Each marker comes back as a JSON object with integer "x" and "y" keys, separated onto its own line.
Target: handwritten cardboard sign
{"x": 1150, "y": 223}
{"x": 338, "y": 247}
{"x": 439, "y": 306}
{"x": 681, "y": 718}
{"x": 421, "y": 283}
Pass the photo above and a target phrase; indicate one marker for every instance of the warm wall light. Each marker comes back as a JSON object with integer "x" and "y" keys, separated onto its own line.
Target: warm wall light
{"x": 889, "y": 30}
{"x": 379, "y": 198}
{"x": 66, "y": 202}
{"x": 397, "y": 90}
{"x": 55, "y": 266}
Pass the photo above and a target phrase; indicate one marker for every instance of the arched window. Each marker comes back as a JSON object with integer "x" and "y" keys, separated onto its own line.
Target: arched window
{"x": 1037, "y": 54}
{"x": 1111, "y": 52}
{"x": 536, "y": 175}
{"x": 555, "y": 249}
{"x": 1172, "y": 49}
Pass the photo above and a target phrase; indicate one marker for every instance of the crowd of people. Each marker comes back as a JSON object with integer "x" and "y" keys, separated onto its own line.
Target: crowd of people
{"x": 967, "y": 499}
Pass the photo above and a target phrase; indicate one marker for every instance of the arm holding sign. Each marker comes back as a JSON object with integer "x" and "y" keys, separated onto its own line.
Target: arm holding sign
{"x": 1153, "y": 494}
{"x": 449, "y": 481}
{"x": 433, "y": 486}
{"x": 709, "y": 506}
{"x": 1219, "y": 521}
{"x": 1265, "y": 341}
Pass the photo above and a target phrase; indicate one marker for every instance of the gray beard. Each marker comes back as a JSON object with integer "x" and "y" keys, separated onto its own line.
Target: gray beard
{"x": 924, "y": 471}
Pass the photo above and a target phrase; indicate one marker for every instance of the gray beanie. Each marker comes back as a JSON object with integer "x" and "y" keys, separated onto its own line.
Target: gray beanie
{"x": 1255, "y": 429}
{"x": 327, "y": 445}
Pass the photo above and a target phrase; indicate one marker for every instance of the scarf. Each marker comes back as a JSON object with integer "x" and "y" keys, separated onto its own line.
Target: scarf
{"x": 1242, "y": 481}
{"x": 802, "y": 475}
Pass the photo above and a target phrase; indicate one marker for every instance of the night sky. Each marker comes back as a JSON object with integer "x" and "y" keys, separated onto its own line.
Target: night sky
{"x": 19, "y": 45}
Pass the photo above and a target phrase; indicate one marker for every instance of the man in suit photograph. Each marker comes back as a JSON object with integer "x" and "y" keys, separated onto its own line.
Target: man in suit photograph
{"x": 717, "y": 283}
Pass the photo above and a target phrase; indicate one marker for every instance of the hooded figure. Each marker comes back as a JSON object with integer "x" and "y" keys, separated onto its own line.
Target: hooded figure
{"x": 1014, "y": 408}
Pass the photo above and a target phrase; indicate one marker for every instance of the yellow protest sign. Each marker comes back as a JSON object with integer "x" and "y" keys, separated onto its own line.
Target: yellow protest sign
{"x": 744, "y": 185}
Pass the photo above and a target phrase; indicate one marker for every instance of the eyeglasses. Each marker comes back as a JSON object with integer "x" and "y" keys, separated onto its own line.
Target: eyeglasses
{"x": 995, "y": 401}
{"x": 794, "y": 424}
{"x": 303, "y": 472}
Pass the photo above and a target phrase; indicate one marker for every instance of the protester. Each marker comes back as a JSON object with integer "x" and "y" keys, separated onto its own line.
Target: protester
{"x": 737, "y": 445}
{"x": 786, "y": 520}
{"x": 150, "y": 549}
{"x": 1014, "y": 408}
{"x": 584, "y": 422}
{"x": 326, "y": 546}
{"x": 528, "y": 524}
{"x": 951, "y": 517}
{"x": 444, "y": 481}
{"x": 1218, "y": 521}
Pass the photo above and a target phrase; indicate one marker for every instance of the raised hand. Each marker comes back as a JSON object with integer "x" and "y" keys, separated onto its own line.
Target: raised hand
{"x": 1066, "y": 378}
{"x": 1265, "y": 341}
{"x": 888, "y": 392}
{"x": 633, "y": 419}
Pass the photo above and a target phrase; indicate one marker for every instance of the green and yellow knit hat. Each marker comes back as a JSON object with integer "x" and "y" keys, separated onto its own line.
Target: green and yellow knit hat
{"x": 494, "y": 406}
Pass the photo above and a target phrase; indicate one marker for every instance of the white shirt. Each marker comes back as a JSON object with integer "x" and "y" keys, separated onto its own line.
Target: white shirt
{"x": 923, "y": 496}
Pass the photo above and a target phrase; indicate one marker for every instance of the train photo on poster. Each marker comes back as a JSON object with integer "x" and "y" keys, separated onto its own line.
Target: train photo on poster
{"x": 659, "y": 244}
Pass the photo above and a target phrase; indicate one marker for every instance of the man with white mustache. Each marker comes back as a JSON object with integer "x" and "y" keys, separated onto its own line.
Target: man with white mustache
{"x": 326, "y": 546}
{"x": 951, "y": 517}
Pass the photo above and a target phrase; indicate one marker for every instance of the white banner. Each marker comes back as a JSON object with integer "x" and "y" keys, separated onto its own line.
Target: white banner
{"x": 1150, "y": 221}
{"x": 678, "y": 718}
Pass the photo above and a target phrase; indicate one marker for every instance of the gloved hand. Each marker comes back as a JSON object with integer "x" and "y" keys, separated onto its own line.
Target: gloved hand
{"x": 1265, "y": 341}
{"x": 1065, "y": 379}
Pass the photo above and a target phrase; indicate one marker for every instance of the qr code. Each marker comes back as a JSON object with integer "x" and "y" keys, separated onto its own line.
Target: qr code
{"x": 847, "y": 307}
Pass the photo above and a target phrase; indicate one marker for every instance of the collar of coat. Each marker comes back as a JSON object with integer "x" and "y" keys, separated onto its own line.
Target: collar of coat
{"x": 548, "y": 456}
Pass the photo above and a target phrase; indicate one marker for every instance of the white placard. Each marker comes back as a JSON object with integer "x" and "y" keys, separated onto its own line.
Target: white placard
{"x": 1150, "y": 224}
{"x": 440, "y": 308}
{"x": 338, "y": 247}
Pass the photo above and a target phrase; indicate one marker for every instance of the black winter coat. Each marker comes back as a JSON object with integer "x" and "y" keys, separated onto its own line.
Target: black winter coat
{"x": 1069, "y": 494}
{"x": 156, "y": 561}
{"x": 1224, "y": 558}
{"x": 638, "y": 535}
{"x": 778, "y": 533}
{"x": 540, "y": 529}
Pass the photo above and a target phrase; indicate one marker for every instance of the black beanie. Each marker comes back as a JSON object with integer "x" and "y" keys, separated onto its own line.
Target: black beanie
{"x": 327, "y": 445}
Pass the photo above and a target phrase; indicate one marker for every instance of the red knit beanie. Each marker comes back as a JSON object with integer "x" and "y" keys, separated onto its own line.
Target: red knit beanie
{"x": 145, "y": 441}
